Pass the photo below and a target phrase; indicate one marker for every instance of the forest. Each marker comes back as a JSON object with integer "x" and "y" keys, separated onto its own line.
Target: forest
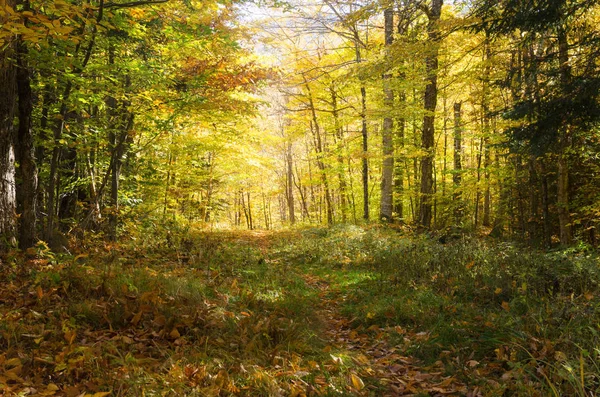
{"x": 299, "y": 198}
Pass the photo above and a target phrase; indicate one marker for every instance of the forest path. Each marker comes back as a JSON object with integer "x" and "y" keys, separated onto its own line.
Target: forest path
{"x": 375, "y": 358}
{"x": 372, "y": 358}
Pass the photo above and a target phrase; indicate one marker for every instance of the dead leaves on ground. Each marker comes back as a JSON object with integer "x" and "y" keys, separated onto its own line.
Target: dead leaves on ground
{"x": 73, "y": 329}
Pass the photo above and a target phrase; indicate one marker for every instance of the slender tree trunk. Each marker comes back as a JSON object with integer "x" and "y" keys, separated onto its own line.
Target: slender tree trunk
{"x": 265, "y": 212}
{"x": 486, "y": 132}
{"x": 429, "y": 102}
{"x": 168, "y": 181}
{"x": 302, "y": 193}
{"x": 290, "y": 182}
{"x": 250, "y": 211}
{"x": 457, "y": 175}
{"x": 533, "y": 200}
{"x": 477, "y": 185}
{"x": 338, "y": 137}
{"x": 24, "y": 145}
{"x": 547, "y": 240}
{"x": 564, "y": 217}
{"x": 245, "y": 208}
{"x": 316, "y": 129}
{"x": 387, "y": 169}
{"x": 364, "y": 132}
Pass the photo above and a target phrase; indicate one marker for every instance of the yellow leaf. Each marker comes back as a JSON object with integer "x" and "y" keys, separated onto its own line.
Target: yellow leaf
{"x": 357, "y": 382}
{"x": 505, "y": 306}
{"x": 174, "y": 334}
{"x": 70, "y": 336}
{"x": 588, "y": 296}
{"x": 52, "y": 387}
{"x": 13, "y": 362}
{"x": 560, "y": 356}
{"x": 498, "y": 291}
{"x": 99, "y": 394}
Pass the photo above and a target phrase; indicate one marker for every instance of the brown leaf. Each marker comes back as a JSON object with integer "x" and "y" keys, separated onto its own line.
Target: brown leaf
{"x": 136, "y": 319}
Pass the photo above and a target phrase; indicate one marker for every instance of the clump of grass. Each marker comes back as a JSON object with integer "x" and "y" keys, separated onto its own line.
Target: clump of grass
{"x": 474, "y": 297}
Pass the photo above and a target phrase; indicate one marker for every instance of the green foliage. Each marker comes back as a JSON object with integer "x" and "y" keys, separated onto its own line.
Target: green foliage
{"x": 470, "y": 299}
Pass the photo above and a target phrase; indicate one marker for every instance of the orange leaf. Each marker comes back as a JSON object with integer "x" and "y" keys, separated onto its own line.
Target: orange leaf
{"x": 505, "y": 306}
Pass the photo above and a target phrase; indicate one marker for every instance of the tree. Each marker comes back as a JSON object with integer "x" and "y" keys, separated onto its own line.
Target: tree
{"x": 387, "y": 169}
{"x": 433, "y": 14}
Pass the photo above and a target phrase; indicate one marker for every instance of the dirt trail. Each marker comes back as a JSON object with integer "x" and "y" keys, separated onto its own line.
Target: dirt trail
{"x": 397, "y": 374}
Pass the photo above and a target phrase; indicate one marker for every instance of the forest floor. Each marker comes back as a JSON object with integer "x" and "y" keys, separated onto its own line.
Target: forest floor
{"x": 315, "y": 312}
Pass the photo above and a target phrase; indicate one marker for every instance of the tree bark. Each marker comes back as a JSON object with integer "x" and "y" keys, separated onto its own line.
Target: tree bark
{"x": 26, "y": 173}
{"x": 429, "y": 102}
{"x": 8, "y": 100}
{"x": 8, "y": 108}
{"x": 290, "y": 182}
{"x": 316, "y": 129}
{"x": 338, "y": 137}
{"x": 564, "y": 218}
{"x": 457, "y": 175}
{"x": 387, "y": 169}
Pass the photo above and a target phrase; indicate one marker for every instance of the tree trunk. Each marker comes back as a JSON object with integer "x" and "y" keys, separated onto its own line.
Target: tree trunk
{"x": 457, "y": 175}
{"x": 290, "y": 182}
{"x": 338, "y": 137}
{"x": 364, "y": 132}
{"x": 564, "y": 218}
{"x": 24, "y": 145}
{"x": 316, "y": 129}
{"x": 486, "y": 133}
{"x": 429, "y": 102}
{"x": 387, "y": 169}
{"x": 251, "y": 225}
{"x": 8, "y": 108}
{"x": 547, "y": 240}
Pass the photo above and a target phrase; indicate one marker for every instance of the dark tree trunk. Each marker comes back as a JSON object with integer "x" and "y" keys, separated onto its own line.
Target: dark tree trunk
{"x": 8, "y": 108}
{"x": 564, "y": 218}
{"x": 27, "y": 171}
{"x": 457, "y": 175}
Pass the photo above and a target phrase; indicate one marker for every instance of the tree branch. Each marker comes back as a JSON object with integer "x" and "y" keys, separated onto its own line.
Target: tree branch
{"x": 134, "y": 3}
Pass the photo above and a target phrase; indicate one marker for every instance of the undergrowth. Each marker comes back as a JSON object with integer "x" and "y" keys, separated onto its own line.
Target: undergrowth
{"x": 186, "y": 312}
{"x": 505, "y": 317}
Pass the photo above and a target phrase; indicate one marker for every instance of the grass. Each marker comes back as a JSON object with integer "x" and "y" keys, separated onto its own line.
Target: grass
{"x": 525, "y": 313}
{"x": 341, "y": 311}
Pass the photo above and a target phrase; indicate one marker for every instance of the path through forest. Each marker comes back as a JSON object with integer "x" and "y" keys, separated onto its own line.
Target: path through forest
{"x": 372, "y": 354}
{"x": 302, "y": 313}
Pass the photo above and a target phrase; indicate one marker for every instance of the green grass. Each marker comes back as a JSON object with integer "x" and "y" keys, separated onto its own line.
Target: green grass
{"x": 498, "y": 303}
{"x": 241, "y": 314}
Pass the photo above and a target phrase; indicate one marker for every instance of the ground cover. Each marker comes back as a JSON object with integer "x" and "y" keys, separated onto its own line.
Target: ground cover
{"x": 342, "y": 311}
